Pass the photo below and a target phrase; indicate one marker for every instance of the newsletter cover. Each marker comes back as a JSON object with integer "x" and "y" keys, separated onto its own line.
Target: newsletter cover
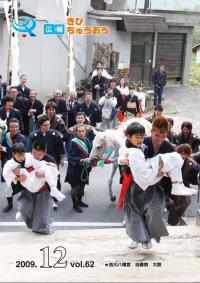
{"x": 99, "y": 141}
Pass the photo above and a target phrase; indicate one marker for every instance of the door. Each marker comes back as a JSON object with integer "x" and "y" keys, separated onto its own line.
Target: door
{"x": 141, "y": 57}
{"x": 170, "y": 50}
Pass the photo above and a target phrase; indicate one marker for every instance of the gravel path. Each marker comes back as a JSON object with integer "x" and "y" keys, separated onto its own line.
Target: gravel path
{"x": 182, "y": 103}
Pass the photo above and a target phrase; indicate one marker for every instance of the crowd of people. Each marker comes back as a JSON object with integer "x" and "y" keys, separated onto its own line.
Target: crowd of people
{"x": 39, "y": 137}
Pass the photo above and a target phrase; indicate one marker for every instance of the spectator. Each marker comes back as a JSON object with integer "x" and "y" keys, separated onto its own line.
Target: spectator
{"x": 99, "y": 85}
{"x": 190, "y": 172}
{"x": 107, "y": 105}
{"x": 61, "y": 104}
{"x": 187, "y": 136}
{"x": 104, "y": 72}
{"x": 159, "y": 81}
{"x": 8, "y": 111}
{"x": 3, "y": 87}
{"x": 22, "y": 104}
{"x": 22, "y": 88}
{"x": 12, "y": 137}
{"x": 190, "y": 167}
{"x": 80, "y": 120}
{"x": 141, "y": 98}
{"x": 158, "y": 111}
{"x": 117, "y": 94}
{"x": 171, "y": 135}
{"x": 73, "y": 106}
{"x": 56, "y": 122}
{"x": 35, "y": 109}
{"x": 131, "y": 104}
{"x": 196, "y": 157}
{"x": 91, "y": 109}
{"x": 123, "y": 88}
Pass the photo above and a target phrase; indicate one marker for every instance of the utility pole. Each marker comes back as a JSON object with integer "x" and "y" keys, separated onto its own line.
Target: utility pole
{"x": 135, "y": 6}
{"x": 70, "y": 64}
{"x": 10, "y": 40}
{"x": 146, "y": 6}
{"x": 11, "y": 12}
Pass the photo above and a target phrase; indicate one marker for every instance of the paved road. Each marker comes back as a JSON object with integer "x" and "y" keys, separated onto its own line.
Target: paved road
{"x": 101, "y": 209}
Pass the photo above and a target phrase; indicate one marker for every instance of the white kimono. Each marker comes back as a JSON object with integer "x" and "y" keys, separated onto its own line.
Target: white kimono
{"x": 32, "y": 183}
{"x": 145, "y": 171}
{"x": 104, "y": 74}
{"x": 141, "y": 96}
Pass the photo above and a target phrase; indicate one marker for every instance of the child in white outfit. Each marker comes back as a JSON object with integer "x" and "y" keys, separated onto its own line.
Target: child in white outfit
{"x": 150, "y": 171}
{"x": 32, "y": 183}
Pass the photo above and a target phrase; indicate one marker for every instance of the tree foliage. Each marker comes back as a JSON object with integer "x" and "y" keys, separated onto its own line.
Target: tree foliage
{"x": 196, "y": 35}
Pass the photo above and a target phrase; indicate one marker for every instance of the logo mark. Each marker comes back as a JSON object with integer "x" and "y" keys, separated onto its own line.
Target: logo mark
{"x": 27, "y": 25}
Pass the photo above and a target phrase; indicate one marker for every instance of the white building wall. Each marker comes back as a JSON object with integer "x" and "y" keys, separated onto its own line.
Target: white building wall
{"x": 3, "y": 48}
{"x": 198, "y": 56}
{"x": 80, "y": 9}
{"x": 2, "y": 71}
{"x": 44, "y": 57}
{"x": 121, "y": 42}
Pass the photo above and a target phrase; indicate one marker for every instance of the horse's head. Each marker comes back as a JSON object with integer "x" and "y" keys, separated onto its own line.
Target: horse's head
{"x": 3, "y": 125}
{"x": 100, "y": 145}
{"x": 3, "y": 129}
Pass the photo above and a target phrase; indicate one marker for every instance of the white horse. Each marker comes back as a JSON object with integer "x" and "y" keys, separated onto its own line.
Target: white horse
{"x": 114, "y": 138}
{"x": 3, "y": 129}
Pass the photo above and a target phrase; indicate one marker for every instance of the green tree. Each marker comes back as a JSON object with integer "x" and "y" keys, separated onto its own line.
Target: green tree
{"x": 196, "y": 35}
{"x": 178, "y": 5}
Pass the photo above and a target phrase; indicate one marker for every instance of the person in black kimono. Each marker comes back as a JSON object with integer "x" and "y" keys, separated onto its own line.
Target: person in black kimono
{"x": 78, "y": 171}
{"x": 116, "y": 93}
{"x": 73, "y": 106}
{"x": 171, "y": 135}
{"x": 22, "y": 104}
{"x": 99, "y": 85}
{"x": 144, "y": 209}
{"x": 190, "y": 171}
{"x": 36, "y": 208}
{"x": 3, "y": 87}
{"x": 190, "y": 167}
{"x": 187, "y": 136}
{"x": 8, "y": 111}
{"x": 196, "y": 157}
{"x": 35, "y": 109}
{"x": 91, "y": 109}
{"x": 22, "y": 88}
{"x": 156, "y": 144}
{"x": 71, "y": 132}
{"x": 61, "y": 104}
{"x": 12, "y": 137}
{"x": 131, "y": 104}
{"x": 52, "y": 138}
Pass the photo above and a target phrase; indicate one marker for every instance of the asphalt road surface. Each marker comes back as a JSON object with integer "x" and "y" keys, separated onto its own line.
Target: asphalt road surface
{"x": 100, "y": 213}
